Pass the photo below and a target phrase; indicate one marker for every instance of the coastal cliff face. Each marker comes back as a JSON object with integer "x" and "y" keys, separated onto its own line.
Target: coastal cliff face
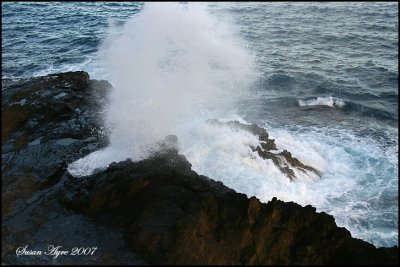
{"x": 155, "y": 211}
{"x": 171, "y": 215}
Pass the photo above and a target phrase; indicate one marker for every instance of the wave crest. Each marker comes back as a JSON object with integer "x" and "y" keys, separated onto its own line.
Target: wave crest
{"x": 330, "y": 101}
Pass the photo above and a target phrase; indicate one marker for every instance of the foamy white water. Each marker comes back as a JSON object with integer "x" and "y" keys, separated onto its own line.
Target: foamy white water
{"x": 170, "y": 65}
{"x": 174, "y": 66}
{"x": 323, "y": 101}
{"x": 358, "y": 176}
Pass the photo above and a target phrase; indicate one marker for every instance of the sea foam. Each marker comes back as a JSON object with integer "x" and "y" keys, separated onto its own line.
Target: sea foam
{"x": 170, "y": 65}
{"x": 330, "y": 101}
{"x": 357, "y": 185}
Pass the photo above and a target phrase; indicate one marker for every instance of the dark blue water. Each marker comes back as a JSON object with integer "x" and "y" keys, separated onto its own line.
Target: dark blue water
{"x": 344, "y": 50}
{"x": 327, "y": 84}
{"x": 305, "y": 50}
{"x": 41, "y": 38}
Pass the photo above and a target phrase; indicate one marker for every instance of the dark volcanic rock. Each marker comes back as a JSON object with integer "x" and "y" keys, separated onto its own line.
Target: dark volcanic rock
{"x": 48, "y": 122}
{"x": 171, "y": 215}
{"x": 283, "y": 160}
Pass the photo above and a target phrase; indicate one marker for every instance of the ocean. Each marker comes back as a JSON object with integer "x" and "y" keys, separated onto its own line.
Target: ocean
{"x": 322, "y": 78}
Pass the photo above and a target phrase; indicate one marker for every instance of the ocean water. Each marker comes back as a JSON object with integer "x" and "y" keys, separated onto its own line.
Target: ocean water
{"x": 322, "y": 78}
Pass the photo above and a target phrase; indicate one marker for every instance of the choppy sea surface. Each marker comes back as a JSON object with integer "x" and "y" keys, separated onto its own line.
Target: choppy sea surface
{"x": 322, "y": 78}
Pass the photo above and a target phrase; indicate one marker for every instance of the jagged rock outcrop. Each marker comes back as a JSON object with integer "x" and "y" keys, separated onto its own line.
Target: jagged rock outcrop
{"x": 283, "y": 160}
{"x": 171, "y": 215}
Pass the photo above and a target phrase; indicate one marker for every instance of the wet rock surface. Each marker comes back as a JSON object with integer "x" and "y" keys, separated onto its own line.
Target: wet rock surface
{"x": 155, "y": 211}
{"x": 266, "y": 149}
{"x": 48, "y": 122}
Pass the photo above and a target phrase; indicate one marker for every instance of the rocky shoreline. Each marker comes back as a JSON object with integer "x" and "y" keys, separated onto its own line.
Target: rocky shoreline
{"x": 156, "y": 211}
